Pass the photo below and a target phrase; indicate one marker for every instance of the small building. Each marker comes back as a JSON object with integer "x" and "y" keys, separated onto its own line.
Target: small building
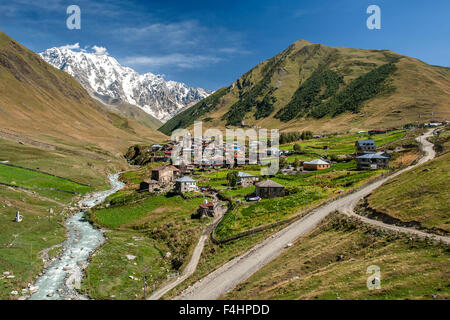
{"x": 372, "y": 161}
{"x": 185, "y": 184}
{"x": 269, "y": 189}
{"x": 148, "y": 185}
{"x": 246, "y": 179}
{"x": 206, "y": 209}
{"x": 164, "y": 174}
{"x": 317, "y": 164}
{"x": 365, "y": 147}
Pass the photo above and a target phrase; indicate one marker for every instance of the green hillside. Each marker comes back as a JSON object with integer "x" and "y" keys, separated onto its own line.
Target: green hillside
{"x": 307, "y": 85}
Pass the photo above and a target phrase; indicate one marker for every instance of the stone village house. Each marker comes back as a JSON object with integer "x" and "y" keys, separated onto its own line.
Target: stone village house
{"x": 206, "y": 209}
{"x": 148, "y": 185}
{"x": 246, "y": 179}
{"x": 269, "y": 189}
{"x": 165, "y": 174}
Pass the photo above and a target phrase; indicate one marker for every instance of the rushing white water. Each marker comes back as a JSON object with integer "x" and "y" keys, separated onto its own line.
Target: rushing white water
{"x": 61, "y": 279}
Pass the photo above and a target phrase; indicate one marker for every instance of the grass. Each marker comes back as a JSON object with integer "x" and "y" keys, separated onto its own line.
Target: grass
{"x": 74, "y": 167}
{"x": 306, "y": 190}
{"x": 150, "y": 211}
{"x": 266, "y": 211}
{"x": 20, "y": 243}
{"x": 31, "y": 179}
{"x": 214, "y": 256}
{"x": 419, "y": 195}
{"x": 331, "y": 262}
{"x": 340, "y": 144}
{"x": 134, "y": 177}
{"x": 108, "y": 274}
{"x": 147, "y": 227}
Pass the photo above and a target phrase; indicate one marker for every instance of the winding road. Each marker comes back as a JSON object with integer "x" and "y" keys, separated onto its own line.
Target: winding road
{"x": 195, "y": 258}
{"x": 239, "y": 269}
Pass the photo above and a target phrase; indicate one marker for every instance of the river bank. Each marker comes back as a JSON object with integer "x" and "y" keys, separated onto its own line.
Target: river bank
{"x": 61, "y": 279}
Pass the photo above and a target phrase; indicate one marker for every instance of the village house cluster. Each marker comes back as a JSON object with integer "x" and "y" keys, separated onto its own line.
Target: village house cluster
{"x": 177, "y": 176}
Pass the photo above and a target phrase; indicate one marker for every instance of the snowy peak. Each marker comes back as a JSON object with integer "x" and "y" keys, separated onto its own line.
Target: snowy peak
{"x": 104, "y": 77}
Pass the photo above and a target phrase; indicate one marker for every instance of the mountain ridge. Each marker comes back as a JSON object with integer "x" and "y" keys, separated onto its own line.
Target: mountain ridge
{"x": 48, "y": 105}
{"x": 315, "y": 87}
{"x": 103, "y": 76}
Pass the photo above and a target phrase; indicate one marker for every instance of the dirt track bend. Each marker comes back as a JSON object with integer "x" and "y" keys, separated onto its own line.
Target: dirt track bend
{"x": 240, "y": 268}
{"x": 192, "y": 265}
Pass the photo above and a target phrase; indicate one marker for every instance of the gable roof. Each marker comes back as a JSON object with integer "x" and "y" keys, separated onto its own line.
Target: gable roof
{"x": 165, "y": 168}
{"x": 269, "y": 184}
{"x": 186, "y": 179}
{"x": 150, "y": 181}
{"x": 372, "y": 156}
{"x": 245, "y": 175}
{"x": 366, "y": 142}
{"x": 316, "y": 161}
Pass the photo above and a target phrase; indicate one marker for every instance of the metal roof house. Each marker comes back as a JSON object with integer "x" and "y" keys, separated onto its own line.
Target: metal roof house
{"x": 185, "y": 184}
{"x": 317, "y": 164}
{"x": 372, "y": 161}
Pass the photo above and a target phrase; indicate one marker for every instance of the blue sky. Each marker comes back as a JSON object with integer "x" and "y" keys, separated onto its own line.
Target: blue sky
{"x": 211, "y": 43}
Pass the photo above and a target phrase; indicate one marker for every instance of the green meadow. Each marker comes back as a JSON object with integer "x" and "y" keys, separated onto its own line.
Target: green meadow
{"x": 339, "y": 144}
{"x": 147, "y": 227}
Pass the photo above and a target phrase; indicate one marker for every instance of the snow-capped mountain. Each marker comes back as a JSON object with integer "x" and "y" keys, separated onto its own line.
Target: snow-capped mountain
{"x": 104, "y": 77}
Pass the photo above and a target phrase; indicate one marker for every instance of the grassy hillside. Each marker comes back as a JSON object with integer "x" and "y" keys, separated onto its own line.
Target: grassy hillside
{"x": 420, "y": 195}
{"x": 307, "y": 84}
{"x": 331, "y": 263}
{"x": 21, "y": 243}
{"x": 41, "y": 102}
{"x": 49, "y": 123}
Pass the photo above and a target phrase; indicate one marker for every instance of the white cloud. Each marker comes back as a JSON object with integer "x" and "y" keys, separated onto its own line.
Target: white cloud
{"x": 171, "y": 34}
{"x": 74, "y": 46}
{"x": 100, "y": 51}
{"x": 183, "y": 61}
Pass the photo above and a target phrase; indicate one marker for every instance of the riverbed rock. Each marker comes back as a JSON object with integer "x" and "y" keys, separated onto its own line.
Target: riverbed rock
{"x": 14, "y": 293}
{"x": 33, "y": 289}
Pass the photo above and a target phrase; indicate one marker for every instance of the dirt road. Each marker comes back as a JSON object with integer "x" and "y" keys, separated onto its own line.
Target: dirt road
{"x": 237, "y": 270}
{"x": 192, "y": 265}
